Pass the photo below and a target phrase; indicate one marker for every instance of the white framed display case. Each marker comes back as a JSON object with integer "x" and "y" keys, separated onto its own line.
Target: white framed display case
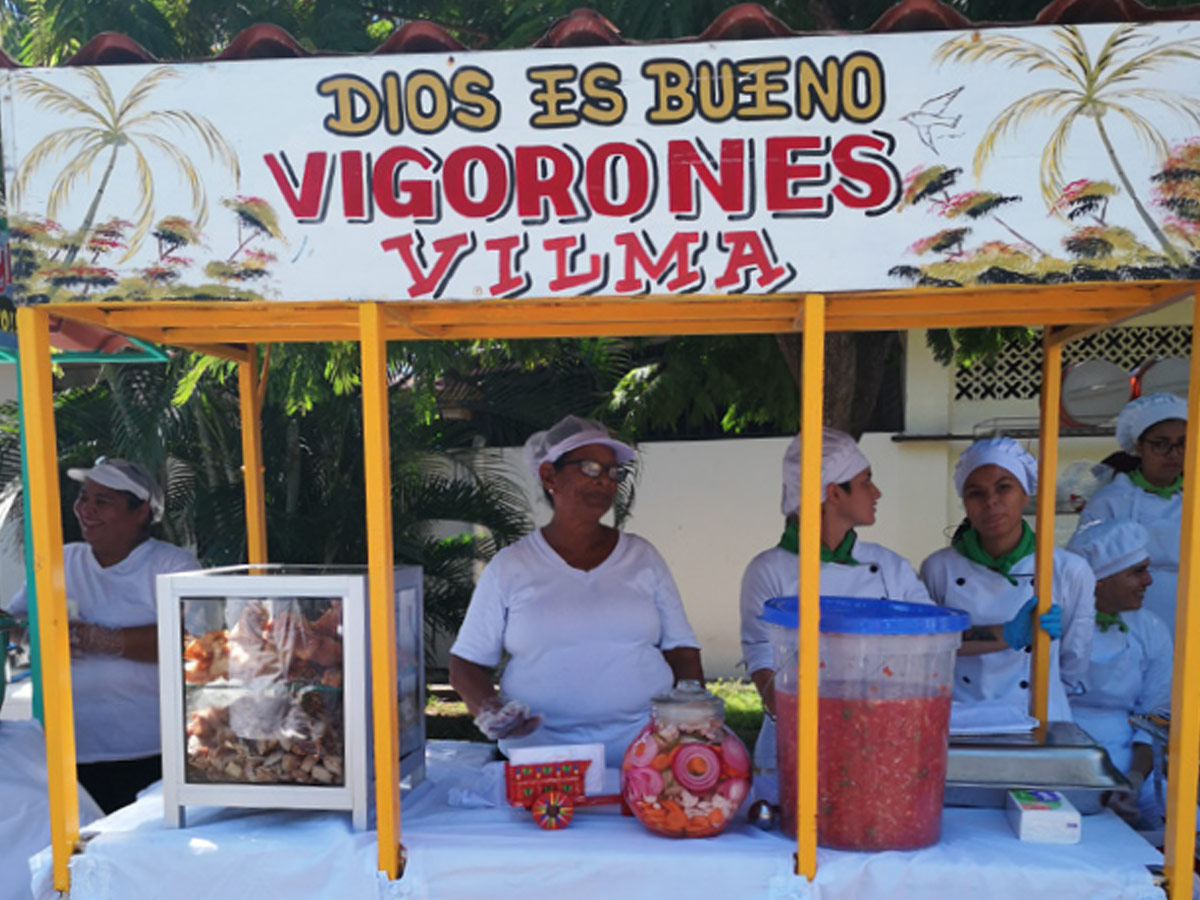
{"x": 263, "y": 680}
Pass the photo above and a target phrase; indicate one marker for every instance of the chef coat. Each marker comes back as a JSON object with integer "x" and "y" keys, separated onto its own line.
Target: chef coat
{"x": 1129, "y": 672}
{"x": 989, "y": 599}
{"x": 1122, "y": 499}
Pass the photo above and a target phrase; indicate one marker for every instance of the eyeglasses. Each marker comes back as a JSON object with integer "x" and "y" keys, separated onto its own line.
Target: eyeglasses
{"x": 592, "y": 469}
{"x": 1165, "y": 446}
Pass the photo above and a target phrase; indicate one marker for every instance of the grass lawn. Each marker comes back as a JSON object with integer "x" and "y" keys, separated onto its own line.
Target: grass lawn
{"x": 448, "y": 719}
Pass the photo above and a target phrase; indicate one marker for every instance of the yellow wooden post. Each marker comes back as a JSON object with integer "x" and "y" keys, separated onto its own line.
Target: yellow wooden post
{"x": 37, "y": 401}
{"x": 808, "y": 634}
{"x": 1047, "y": 482}
{"x": 252, "y": 460}
{"x": 1185, "y": 696}
{"x": 380, "y": 561}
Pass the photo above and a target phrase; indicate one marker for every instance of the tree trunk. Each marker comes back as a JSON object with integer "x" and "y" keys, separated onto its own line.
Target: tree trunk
{"x": 90, "y": 217}
{"x": 1171, "y": 252}
{"x": 855, "y": 368}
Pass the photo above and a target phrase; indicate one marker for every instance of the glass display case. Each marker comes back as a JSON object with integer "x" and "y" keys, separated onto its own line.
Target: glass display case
{"x": 265, "y": 689}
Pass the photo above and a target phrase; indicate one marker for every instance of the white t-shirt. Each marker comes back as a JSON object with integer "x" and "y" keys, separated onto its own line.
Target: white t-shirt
{"x": 989, "y": 599}
{"x": 880, "y": 575}
{"x": 115, "y": 699}
{"x": 585, "y": 648}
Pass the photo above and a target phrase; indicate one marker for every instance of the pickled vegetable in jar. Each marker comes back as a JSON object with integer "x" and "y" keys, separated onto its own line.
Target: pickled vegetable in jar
{"x": 686, "y": 773}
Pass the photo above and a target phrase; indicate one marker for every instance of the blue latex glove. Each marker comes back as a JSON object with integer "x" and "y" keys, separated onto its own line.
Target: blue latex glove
{"x": 1018, "y": 633}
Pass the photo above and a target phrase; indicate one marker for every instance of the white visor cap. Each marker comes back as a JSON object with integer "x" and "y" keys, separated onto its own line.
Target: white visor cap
{"x": 1146, "y": 412}
{"x": 841, "y": 460}
{"x": 567, "y": 435}
{"x": 123, "y": 475}
{"x": 999, "y": 451}
{"x": 1111, "y": 546}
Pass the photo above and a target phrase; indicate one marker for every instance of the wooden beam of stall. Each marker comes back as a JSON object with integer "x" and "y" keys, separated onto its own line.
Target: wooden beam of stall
{"x": 252, "y": 460}
{"x": 232, "y": 352}
{"x": 37, "y": 403}
{"x": 1184, "y": 743}
{"x": 1046, "y": 490}
{"x": 808, "y": 595}
{"x": 380, "y": 562}
{"x": 1157, "y": 298}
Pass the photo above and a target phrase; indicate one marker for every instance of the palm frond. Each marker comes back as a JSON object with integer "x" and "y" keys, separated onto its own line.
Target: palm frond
{"x": 216, "y": 145}
{"x": 78, "y": 167}
{"x": 1150, "y": 136}
{"x": 186, "y": 168}
{"x": 1051, "y": 177}
{"x": 103, "y": 92}
{"x": 52, "y": 98}
{"x": 144, "y": 214}
{"x": 973, "y": 47}
{"x": 49, "y": 147}
{"x": 1010, "y": 118}
{"x": 1120, "y": 36}
{"x": 1182, "y": 105}
{"x": 1076, "y": 50}
{"x": 1186, "y": 50}
{"x": 142, "y": 90}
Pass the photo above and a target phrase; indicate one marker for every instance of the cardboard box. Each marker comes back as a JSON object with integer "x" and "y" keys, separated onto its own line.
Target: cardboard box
{"x": 1044, "y": 817}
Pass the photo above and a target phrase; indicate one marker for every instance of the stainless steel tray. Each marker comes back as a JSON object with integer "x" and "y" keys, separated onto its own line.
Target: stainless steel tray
{"x": 981, "y": 768}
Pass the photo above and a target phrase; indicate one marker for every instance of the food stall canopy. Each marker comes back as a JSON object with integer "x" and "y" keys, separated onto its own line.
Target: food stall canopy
{"x": 927, "y": 173}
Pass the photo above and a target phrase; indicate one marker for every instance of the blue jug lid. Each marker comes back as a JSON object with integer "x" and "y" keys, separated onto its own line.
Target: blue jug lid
{"x": 858, "y": 615}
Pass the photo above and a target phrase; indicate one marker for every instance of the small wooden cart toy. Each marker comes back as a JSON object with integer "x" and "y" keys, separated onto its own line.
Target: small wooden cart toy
{"x": 552, "y": 790}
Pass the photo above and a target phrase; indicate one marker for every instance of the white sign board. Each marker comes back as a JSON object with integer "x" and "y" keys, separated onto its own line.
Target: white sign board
{"x": 1035, "y": 155}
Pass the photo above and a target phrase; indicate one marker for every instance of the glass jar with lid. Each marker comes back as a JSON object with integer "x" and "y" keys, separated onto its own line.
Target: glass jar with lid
{"x": 686, "y": 773}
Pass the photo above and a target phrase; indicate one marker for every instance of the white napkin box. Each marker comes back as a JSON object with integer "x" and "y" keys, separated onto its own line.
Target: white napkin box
{"x": 1044, "y": 817}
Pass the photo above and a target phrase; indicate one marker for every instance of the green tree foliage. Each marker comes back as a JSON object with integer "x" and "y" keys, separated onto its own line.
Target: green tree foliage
{"x": 450, "y": 512}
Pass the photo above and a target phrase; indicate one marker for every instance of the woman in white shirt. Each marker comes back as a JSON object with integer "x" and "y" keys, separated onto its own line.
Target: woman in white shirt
{"x": 110, "y": 584}
{"x": 1130, "y": 667}
{"x": 988, "y": 572}
{"x": 588, "y": 617}
{"x": 1151, "y": 430}
{"x": 849, "y": 567}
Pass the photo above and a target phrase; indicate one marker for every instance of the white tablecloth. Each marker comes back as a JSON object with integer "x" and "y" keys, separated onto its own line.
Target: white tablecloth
{"x": 458, "y": 853}
{"x": 24, "y": 804}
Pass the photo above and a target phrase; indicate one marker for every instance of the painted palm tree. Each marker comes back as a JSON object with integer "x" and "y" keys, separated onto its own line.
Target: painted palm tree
{"x": 106, "y": 126}
{"x": 1093, "y": 87}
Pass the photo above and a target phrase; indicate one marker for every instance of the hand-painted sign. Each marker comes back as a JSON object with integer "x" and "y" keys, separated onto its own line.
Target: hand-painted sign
{"x": 1038, "y": 155}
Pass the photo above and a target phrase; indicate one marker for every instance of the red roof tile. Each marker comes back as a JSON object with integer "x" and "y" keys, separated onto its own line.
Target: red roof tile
{"x": 587, "y": 28}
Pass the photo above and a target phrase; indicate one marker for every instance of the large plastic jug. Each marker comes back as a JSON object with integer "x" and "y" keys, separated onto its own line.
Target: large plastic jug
{"x": 883, "y": 719}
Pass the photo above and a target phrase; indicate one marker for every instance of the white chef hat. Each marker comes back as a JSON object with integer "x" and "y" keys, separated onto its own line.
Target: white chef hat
{"x": 124, "y": 475}
{"x": 841, "y": 460}
{"x": 998, "y": 451}
{"x": 568, "y": 434}
{"x": 1111, "y": 546}
{"x": 1144, "y": 412}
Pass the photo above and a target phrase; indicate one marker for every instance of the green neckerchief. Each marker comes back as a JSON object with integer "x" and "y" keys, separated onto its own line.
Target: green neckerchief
{"x": 968, "y": 545}
{"x": 1166, "y": 493}
{"x": 1108, "y": 620}
{"x": 790, "y": 541}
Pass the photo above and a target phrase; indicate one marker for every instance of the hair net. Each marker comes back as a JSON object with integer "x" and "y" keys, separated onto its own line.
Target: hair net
{"x": 841, "y": 460}
{"x": 999, "y": 451}
{"x": 123, "y": 475}
{"x": 1111, "y": 546}
{"x": 568, "y": 434}
{"x": 1144, "y": 412}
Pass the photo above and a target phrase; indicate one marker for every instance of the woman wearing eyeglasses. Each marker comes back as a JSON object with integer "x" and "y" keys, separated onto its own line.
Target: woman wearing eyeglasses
{"x": 588, "y": 617}
{"x": 1152, "y": 430}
